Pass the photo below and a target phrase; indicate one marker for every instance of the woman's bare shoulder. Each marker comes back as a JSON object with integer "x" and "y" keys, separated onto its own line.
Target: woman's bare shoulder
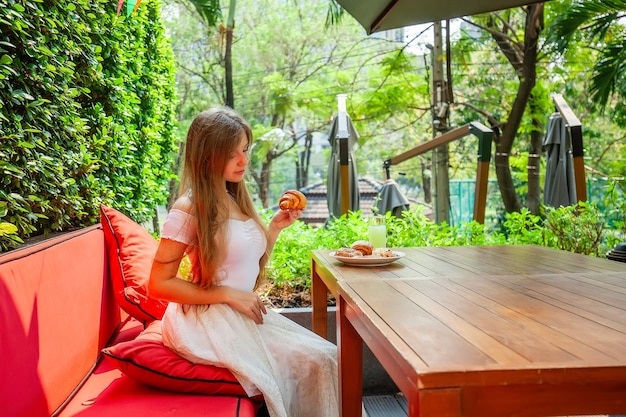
{"x": 183, "y": 203}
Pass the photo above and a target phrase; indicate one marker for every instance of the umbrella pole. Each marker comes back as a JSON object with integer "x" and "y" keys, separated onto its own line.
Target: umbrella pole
{"x": 344, "y": 175}
{"x": 342, "y": 136}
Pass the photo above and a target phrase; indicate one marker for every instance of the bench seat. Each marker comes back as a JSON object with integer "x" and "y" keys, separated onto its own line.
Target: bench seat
{"x": 57, "y": 312}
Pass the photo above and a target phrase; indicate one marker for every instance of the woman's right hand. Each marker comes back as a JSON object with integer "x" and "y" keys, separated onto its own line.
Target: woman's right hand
{"x": 247, "y": 303}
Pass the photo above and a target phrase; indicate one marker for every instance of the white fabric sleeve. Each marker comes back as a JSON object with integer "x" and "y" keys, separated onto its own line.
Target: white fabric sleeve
{"x": 180, "y": 226}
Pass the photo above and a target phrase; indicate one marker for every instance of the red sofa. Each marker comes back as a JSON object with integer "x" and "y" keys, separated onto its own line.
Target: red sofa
{"x": 58, "y": 310}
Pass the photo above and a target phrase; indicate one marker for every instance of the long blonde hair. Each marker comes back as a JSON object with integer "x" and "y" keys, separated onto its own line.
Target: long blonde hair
{"x": 211, "y": 138}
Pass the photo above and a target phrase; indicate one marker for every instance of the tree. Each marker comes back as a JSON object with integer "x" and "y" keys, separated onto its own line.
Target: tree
{"x": 599, "y": 22}
{"x": 522, "y": 54}
{"x": 288, "y": 72}
{"x": 518, "y": 41}
{"x": 210, "y": 12}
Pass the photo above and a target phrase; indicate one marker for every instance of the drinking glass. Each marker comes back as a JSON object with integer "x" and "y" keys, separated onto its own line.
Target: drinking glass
{"x": 377, "y": 231}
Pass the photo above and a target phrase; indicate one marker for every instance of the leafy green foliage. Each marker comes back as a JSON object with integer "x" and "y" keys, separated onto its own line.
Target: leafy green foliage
{"x": 598, "y": 23}
{"x": 86, "y": 114}
{"x": 577, "y": 228}
{"x": 8, "y": 231}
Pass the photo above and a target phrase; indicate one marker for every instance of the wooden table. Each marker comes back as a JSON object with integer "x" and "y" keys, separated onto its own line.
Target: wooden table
{"x": 482, "y": 331}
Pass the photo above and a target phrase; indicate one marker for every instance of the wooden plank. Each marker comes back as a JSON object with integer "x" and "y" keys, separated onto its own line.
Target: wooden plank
{"x": 418, "y": 327}
{"x": 432, "y": 144}
{"x": 528, "y": 324}
{"x": 485, "y": 260}
{"x": 585, "y": 331}
{"x": 495, "y": 335}
{"x": 610, "y": 280}
{"x": 544, "y": 400}
{"x": 566, "y": 261}
{"x": 439, "y": 403}
{"x": 477, "y": 261}
{"x": 524, "y": 259}
{"x": 426, "y": 262}
{"x": 575, "y": 283}
{"x": 577, "y": 301}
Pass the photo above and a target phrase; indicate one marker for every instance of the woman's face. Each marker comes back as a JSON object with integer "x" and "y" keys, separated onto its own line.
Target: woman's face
{"x": 237, "y": 161}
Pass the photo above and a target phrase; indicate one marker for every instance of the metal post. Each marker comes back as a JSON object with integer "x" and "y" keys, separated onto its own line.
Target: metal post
{"x": 342, "y": 137}
{"x": 439, "y": 110}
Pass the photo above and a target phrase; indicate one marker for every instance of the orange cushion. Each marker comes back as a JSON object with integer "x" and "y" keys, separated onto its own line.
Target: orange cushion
{"x": 147, "y": 360}
{"x": 130, "y": 250}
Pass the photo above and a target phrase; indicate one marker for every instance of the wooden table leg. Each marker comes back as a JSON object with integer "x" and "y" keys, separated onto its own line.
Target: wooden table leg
{"x": 319, "y": 313}
{"x": 350, "y": 348}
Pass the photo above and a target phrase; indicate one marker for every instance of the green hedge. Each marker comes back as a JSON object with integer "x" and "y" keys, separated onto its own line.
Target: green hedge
{"x": 87, "y": 114}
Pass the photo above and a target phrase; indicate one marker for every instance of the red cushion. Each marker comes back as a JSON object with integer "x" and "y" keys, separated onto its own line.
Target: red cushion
{"x": 109, "y": 394}
{"x": 147, "y": 360}
{"x": 130, "y": 249}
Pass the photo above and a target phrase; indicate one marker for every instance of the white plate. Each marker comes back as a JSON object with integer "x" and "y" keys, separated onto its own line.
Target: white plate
{"x": 368, "y": 260}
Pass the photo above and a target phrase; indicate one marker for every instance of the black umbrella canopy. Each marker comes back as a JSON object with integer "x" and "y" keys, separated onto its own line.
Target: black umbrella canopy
{"x": 390, "y": 198}
{"x": 560, "y": 187}
{"x": 379, "y": 15}
{"x": 336, "y": 187}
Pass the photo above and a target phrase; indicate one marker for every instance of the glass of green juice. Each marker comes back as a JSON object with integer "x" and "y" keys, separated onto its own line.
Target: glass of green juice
{"x": 377, "y": 231}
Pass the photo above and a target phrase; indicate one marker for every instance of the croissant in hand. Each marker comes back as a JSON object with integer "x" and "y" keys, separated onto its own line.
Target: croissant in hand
{"x": 292, "y": 200}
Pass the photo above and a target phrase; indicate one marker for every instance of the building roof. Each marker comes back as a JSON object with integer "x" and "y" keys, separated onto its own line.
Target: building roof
{"x": 316, "y": 212}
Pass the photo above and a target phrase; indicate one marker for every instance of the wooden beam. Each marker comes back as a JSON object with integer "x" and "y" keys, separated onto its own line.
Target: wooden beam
{"x": 431, "y": 144}
{"x": 485, "y": 138}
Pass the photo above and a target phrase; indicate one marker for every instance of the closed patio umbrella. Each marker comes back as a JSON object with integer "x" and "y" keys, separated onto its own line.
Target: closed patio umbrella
{"x": 391, "y": 199}
{"x": 336, "y": 187}
{"x": 559, "y": 186}
{"x": 378, "y": 15}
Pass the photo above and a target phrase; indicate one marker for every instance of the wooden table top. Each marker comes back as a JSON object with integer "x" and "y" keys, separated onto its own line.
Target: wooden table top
{"x": 492, "y": 315}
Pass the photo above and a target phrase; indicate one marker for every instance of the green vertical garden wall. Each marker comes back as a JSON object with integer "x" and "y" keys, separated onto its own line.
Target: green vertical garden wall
{"x": 87, "y": 114}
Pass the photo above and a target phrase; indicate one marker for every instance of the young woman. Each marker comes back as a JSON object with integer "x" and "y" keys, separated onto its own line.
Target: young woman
{"x": 215, "y": 317}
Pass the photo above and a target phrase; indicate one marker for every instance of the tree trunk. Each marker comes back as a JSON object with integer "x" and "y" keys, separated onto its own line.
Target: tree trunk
{"x": 174, "y": 183}
{"x": 534, "y": 159}
{"x": 426, "y": 176}
{"x": 228, "y": 68}
{"x": 263, "y": 183}
{"x": 527, "y": 76}
{"x": 228, "y": 55}
{"x": 303, "y": 163}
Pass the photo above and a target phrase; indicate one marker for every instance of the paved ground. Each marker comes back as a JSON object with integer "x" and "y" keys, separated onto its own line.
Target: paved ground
{"x": 396, "y": 406}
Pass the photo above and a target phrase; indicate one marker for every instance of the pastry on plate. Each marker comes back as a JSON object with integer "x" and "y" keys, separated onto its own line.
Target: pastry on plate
{"x": 363, "y": 246}
{"x": 383, "y": 253}
{"x": 348, "y": 253}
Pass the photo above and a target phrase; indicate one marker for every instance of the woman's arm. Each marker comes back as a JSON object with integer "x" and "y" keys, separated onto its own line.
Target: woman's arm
{"x": 165, "y": 284}
{"x": 282, "y": 219}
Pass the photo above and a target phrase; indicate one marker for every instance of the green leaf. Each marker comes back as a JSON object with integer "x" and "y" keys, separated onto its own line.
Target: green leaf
{"x": 7, "y": 229}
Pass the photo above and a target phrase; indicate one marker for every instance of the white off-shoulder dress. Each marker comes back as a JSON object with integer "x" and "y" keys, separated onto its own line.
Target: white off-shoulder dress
{"x": 294, "y": 369}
